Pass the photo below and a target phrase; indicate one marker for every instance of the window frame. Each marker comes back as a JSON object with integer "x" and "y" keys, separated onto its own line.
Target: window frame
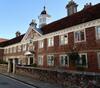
{"x": 50, "y": 43}
{"x": 14, "y": 49}
{"x": 40, "y": 64}
{"x": 52, "y": 62}
{"x": 63, "y": 65}
{"x": 86, "y": 66}
{"x": 65, "y": 37}
{"x": 24, "y": 47}
{"x": 76, "y": 40}
{"x": 7, "y": 50}
{"x": 41, "y": 43}
{"x": 19, "y": 48}
{"x": 97, "y": 37}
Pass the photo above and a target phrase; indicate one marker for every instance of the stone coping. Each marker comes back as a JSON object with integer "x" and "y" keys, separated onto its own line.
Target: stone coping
{"x": 61, "y": 70}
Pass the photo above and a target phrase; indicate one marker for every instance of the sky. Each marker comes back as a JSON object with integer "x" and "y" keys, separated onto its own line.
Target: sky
{"x": 15, "y": 15}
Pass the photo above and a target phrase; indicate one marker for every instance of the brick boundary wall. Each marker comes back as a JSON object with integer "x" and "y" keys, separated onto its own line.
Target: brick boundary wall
{"x": 59, "y": 77}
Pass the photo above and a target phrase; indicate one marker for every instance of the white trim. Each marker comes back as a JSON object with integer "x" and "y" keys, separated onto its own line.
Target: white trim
{"x": 27, "y": 33}
{"x": 72, "y": 29}
{"x": 49, "y": 42}
{"x": 40, "y": 57}
{"x": 61, "y": 32}
{"x": 64, "y": 39}
{"x": 41, "y": 44}
{"x": 51, "y": 64}
{"x": 86, "y": 59}
{"x": 84, "y": 36}
{"x": 64, "y": 65}
{"x": 96, "y": 32}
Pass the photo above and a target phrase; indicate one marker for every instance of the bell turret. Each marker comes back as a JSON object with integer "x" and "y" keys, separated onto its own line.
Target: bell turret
{"x": 43, "y": 18}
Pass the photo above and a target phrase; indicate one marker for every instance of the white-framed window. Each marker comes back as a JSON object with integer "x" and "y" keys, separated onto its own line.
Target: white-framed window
{"x": 41, "y": 44}
{"x": 10, "y": 50}
{"x": 14, "y": 49}
{"x": 79, "y": 36}
{"x": 7, "y": 50}
{"x": 64, "y": 60}
{"x": 50, "y": 60}
{"x": 51, "y": 41}
{"x": 40, "y": 60}
{"x": 98, "y": 56}
{"x": 19, "y": 48}
{"x": 83, "y": 61}
{"x": 63, "y": 39}
{"x": 98, "y": 32}
{"x": 24, "y": 47}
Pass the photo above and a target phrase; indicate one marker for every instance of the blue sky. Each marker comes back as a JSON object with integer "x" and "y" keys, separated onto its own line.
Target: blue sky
{"x": 15, "y": 15}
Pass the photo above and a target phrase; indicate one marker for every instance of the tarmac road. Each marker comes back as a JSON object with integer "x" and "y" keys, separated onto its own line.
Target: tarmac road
{"x": 6, "y": 82}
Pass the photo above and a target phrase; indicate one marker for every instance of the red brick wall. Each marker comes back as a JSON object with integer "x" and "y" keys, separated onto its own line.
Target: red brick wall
{"x": 87, "y": 46}
{"x": 90, "y": 46}
{"x": 92, "y": 61}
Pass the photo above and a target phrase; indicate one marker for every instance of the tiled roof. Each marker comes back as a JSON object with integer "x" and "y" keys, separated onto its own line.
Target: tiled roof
{"x": 83, "y": 16}
{"x": 2, "y": 39}
{"x": 12, "y": 41}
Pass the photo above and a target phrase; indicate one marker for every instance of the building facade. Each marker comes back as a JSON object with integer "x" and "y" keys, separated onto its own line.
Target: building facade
{"x": 53, "y": 45}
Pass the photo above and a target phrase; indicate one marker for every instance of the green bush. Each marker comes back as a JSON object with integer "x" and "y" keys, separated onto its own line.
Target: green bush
{"x": 34, "y": 65}
{"x": 3, "y": 62}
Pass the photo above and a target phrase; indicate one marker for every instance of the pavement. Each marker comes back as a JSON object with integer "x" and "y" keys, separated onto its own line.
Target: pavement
{"x": 7, "y": 82}
{"x": 30, "y": 81}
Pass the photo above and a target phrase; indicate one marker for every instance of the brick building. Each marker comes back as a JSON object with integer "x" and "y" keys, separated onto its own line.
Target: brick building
{"x": 51, "y": 45}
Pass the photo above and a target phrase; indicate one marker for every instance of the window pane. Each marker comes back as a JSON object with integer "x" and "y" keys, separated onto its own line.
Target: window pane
{"x": 66, "y": 60}
{"x": 63, "y": 39}
{"x": 50, "y": 41}
{"x": 62, "y": 60}
{"x": 40, "y": 60}
{"x": 41, "y": 44}
{"x": 98, "y": 32}
{"x": 50, "y": 60}
{"x": 82, "y": 35}
{"x": 77, "y": 38}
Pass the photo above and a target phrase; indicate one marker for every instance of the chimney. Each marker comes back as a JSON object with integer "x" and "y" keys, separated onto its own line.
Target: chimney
{"x": 33, "y": 24}
{"x": 87, "y": 5}
{"x": 18, "y": 34}
{"x": 71, "y": 7}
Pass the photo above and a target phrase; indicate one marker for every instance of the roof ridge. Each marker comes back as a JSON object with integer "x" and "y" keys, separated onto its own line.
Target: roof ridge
{"x": 79, "y": 17}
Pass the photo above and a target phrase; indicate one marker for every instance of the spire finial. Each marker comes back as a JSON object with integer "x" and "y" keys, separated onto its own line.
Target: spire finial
{"x": 44, "y": 7}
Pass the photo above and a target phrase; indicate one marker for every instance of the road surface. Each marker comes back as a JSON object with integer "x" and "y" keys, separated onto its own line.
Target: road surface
{"x": 6, "y": 82}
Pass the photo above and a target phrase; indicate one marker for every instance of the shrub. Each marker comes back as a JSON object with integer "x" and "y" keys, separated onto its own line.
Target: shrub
{"x": 34, "y": 65}
{"x": 3, "y": 62}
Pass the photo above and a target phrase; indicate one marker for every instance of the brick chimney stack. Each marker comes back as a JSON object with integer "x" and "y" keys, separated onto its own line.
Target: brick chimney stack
{"x": 87, "y": 5}
{"x": 18, "y": 34}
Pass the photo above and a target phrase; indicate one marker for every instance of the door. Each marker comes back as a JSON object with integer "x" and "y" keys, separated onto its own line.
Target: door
{"x": 31, "y": 60}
